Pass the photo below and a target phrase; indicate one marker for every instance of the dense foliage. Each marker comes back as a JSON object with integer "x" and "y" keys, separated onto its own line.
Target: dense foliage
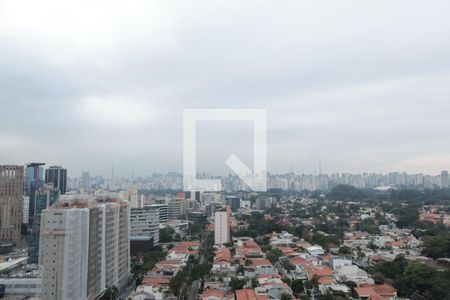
{"x": 411, "y": 278}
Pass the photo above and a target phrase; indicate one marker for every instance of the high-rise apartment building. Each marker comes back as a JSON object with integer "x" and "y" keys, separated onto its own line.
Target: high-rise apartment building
{"x": 64, "y": 253}
{"x": 222, "y": 232}
{"x": 57, "y": 176}
{"x": 84, "y": 248}
{"x": 11, "y": 203}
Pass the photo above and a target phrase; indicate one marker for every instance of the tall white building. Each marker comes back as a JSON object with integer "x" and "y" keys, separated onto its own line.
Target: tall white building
{"x": 84, "y": 248}
{"x": 222, "y": 233}
{"x": 64, "y": 253}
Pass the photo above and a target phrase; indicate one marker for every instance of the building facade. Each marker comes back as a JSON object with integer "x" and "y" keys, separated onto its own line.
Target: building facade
{"x": 63, "y": 253}
{"x": 84, "y": 248}
{"x": 222, "y": 233}
{"x": 163, "y": 211}
{"x": 34, "y": 180}
{"x": 57, "y": 176}
{"x": 11, "y": 203}
{"x": 144, "y": 224}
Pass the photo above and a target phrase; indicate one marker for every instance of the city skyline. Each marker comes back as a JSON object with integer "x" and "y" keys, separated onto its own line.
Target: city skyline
{"x": 224, "y": 150}
{"x": 359, "y": 98}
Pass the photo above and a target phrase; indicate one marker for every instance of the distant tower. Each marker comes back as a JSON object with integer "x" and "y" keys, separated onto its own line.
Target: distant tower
{"x": 112, "y": 178}
{"x": 86, "y": 181}
{"x": 11, "y": 203}
{"x": 57, "y": 176}
{"x": 444, "y": 180}
{"x": 34, "y": 180}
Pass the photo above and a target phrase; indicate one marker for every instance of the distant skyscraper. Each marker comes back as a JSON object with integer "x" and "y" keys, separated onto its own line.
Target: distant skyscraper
{"x": 444, "y": 180}
{"x": 58, "y": 177}
{"x": 86, "y": 182}
{"x": 263, "y": 202}
{"x": 222, "y": 233}
{"x": 33, "y": 182}
{"x": 11, "y": 203}
{"x": 233, "y": 202}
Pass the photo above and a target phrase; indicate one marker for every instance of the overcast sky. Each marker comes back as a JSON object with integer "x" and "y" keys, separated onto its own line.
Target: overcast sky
{"x": 358, "y": 85}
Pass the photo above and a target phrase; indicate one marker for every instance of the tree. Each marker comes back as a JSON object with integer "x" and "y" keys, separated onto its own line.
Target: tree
{"x": 110, "y": 293}
{"x": 286, "y": 280}
{"x": 419, "y": 278}
{"x": 297, "y": 287}
{"x": 237, "y": 284}
{"x": 344, "y": 192}
{"x": 274, "y": 255}
{"x": 165, "y": 235}
{"x": 378, "y": 278}
{"x": 345, "y": 250}
{"x": 176, "y": 283}
{"x": 368, "y": 226}
{"x": 254, "y": 283}
{"x": 285, "y": 297}
{"x": 408, "y": 217}
{"x": 437, "y": 246}
{"x": 199, "y": 271}
{"x": 240, "y": 270}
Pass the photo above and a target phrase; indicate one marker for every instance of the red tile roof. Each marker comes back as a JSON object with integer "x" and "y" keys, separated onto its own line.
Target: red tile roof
{"x": 376, "y": 292}
{"x": 319, "y": 271}
{"x": 223, "y": 255}
{"x": 260, "y": 262}
{"x": 212, "y": 293}
{"x": 186, "y": 247}
{"x": 249, "y": 294}
{"x": 156, "y": 281}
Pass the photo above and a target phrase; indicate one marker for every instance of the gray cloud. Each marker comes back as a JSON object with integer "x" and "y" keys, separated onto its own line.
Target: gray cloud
{"x": 361, "y": 86}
